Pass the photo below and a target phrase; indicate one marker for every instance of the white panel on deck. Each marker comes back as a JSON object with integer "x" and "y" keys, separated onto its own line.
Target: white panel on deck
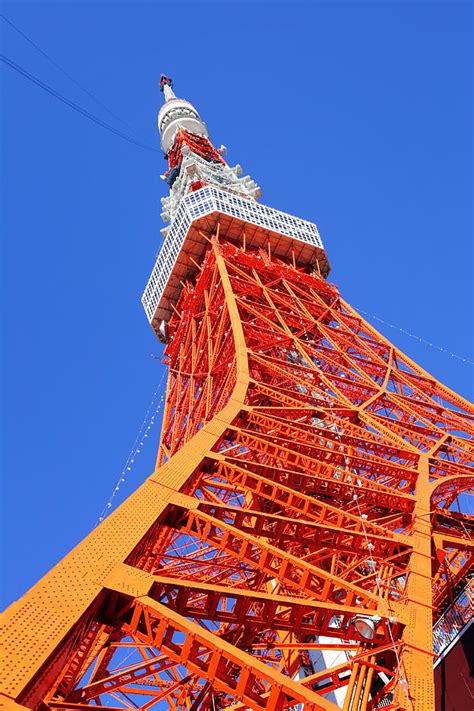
{"x": 200, "y": 210}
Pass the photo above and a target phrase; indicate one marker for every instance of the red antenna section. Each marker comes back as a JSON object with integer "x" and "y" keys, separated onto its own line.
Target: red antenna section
{"x": 199, "y": 145}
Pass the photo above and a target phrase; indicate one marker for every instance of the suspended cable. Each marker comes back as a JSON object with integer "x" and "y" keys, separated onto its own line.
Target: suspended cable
{"x": 143, "y": 432}
{"x": 76, "y": 107}
{"x": 418, "y": 338}
{"x": 63, "y": 71}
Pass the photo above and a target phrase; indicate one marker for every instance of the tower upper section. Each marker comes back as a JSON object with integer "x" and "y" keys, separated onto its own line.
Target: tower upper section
{"x": 177, "y": 113}
{"x": 193, "y": 161}
{"x": 205, "y": 192}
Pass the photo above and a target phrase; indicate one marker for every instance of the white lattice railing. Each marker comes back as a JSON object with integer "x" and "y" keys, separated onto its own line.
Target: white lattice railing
{"x": 453, "y": 620}
{"x": 205, "y": 202}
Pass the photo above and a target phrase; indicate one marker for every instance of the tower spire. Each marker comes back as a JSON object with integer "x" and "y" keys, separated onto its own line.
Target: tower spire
{"x": 177, "y": 113}
{"x": 166, "y": 86}
{"x": 193, "y": 161}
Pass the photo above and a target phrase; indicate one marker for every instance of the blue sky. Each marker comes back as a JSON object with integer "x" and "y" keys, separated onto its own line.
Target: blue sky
{"x": 354, "y": 115}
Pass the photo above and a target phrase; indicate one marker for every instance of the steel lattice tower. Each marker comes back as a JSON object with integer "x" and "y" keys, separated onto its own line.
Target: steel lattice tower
{"x": 297, "y": 542}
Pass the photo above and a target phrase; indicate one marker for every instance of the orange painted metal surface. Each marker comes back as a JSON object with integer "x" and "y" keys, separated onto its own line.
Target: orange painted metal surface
{"x": 297, "y": 540}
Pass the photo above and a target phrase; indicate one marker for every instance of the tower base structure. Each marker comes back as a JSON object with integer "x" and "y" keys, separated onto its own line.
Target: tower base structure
{"x": 296, "y": 542}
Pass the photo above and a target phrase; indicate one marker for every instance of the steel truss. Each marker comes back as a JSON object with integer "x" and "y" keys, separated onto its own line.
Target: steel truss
{"x": 305, "y": 487}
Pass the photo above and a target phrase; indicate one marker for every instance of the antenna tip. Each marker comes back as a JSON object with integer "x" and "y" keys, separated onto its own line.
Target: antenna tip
{"x": 165, "y": 81}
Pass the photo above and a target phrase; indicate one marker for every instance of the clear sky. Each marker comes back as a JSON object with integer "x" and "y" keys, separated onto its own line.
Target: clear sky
{"x": 354, "y": 115}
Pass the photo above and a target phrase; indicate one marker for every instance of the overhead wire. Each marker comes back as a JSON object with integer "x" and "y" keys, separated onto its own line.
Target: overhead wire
{"x": 418, "y": 338}
{"x": 89, "y": 93}
{"x": 71, "y": 104}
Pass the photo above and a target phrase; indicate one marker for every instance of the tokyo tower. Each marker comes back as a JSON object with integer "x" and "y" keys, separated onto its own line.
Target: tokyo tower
{"x": 303, "y": 541}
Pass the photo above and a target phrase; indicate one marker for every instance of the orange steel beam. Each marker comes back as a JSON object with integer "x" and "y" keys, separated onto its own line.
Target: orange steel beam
{"x": 306, "y": 475}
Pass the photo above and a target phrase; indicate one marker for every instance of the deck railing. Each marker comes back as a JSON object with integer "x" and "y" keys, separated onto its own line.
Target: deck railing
{"x": 453, "y": 619}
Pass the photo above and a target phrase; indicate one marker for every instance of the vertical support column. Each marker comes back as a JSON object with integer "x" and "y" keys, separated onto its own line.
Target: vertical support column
{"x": 241, "y": 353}
{"x": 417, "y": 654}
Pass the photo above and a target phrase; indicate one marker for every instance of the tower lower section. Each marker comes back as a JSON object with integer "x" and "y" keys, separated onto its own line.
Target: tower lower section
{"x": 297, "y": 541}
